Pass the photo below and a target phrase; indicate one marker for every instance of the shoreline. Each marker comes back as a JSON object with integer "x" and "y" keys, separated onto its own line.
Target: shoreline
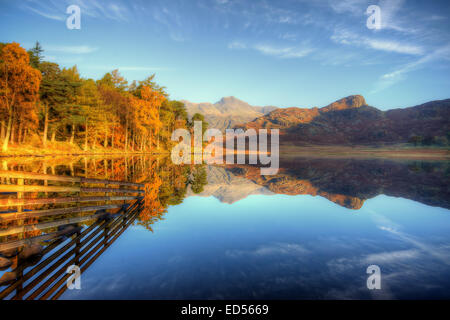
{"x": 77, "y": 154}
{"x": 285, "y": 151}
{"x": 33, "y": 152}
{"x": 402, "y": 152}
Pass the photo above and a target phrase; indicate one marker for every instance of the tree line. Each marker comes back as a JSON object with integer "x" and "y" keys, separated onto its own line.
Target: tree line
{"x": 42, "y": 105}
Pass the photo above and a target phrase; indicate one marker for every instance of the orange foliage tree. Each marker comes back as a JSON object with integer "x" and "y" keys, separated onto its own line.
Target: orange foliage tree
{"x": 146, "y": 115}
{"x": 19, "y": 86}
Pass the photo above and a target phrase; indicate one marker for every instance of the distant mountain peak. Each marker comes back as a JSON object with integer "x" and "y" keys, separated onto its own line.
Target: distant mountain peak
{"x": 227, "y": 112}
{"x": 230, "y": 99}
{"x": 232, "y": 102}
{"x": 350, "y": 102}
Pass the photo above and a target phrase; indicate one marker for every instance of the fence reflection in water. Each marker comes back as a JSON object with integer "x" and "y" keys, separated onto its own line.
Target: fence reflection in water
{"x": 39, "y": 263}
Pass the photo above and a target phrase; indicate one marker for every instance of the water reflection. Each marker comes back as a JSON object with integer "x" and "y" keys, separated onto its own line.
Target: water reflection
{"x": 35, "y": 277}
{"x": 346, "y": 182}
{"x": 283, "y": 236}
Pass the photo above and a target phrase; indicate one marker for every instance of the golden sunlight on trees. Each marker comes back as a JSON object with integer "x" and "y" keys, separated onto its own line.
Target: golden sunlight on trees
{"x": 19, "y": 85}
{"x": 146, "y": 116}
{"x": 48, "y": 108}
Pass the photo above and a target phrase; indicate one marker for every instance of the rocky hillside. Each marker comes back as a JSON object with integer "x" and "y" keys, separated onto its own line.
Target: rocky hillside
{"x": 351, "y": 121}
{"x": 226, "y": 113}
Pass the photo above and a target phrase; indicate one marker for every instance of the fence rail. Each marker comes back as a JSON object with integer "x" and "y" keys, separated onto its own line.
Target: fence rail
{"x": 57, "y": 228}
{"x": 36, "y": 201}
{"x": 50, "y": 177}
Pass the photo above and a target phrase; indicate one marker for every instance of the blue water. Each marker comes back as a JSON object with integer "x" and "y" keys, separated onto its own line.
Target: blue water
{"x": 278, "y": 247}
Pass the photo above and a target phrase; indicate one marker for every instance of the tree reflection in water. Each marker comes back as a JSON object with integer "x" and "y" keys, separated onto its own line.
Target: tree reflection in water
{"x": 31, "y": 242}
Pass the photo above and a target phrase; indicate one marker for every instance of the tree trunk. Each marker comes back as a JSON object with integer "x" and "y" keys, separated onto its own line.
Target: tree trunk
{"x": 44, "y": 136}
{"x": 126, "y": 136}
{"x": 86, "y": 137}
{"x": 85, "y": 168}
{"x": 12, "y": 132}
{"x": 105, "y": 144}
{"x": 53, "y": 135}
{"x": 2, "y": 134}
{"x": 25, "y": 135}
{"x": 8, "y": 133}
{"x": 105, "y": 165}
{"x": 112, "y": 139}
{"x": 19, "y": 133}
{"x": 72, "y": 137}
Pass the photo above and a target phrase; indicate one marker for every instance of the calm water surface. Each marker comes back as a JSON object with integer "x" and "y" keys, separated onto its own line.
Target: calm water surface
{"x": 309, "y": 232}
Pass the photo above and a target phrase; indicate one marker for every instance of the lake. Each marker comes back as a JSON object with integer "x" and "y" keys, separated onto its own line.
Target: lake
{"x": 308, "y": 232}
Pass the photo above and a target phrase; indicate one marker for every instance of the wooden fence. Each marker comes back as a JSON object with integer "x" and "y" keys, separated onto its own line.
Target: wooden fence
{"x": 65, "y": 242}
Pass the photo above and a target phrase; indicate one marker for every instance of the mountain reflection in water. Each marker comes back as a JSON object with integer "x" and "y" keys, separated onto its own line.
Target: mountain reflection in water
{"x": 347, "y": 182}
{"x": 265, "y": 237}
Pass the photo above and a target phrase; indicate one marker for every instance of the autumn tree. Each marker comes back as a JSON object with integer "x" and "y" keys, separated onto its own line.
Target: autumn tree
{"x": 19, "y": 85}
{"x": 118, "y": 104}
{"x": 147, "y": 103}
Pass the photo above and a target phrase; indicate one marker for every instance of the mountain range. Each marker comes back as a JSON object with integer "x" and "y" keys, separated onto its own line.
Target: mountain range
{"x": 351, "y": 121}
{"x": 227, "y": 112}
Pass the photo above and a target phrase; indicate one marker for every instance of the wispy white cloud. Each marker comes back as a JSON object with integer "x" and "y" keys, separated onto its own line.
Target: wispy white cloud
{"x": 292, "y": 249}
{"x": 284, "y": 52}
{"x": 440, "y": 253}
{"x": 56, "y": 9}
{"x": 288, "y": 36}
{"x": 237, "y": 45}
{"x": 393, "y": 46}
{"x": 436, "y": 17}
{"x": 172, "y": 21}
{"x": 118, "y": 12}
{"x": 127, "y": 68}
{"x": 100, "y": 9}
{"x": 275, "y": 51}
{"x": 48, "y": 15}
{"x": 393, "y": 77}
{"x": 65, "y": 60}
{"x": 346, "y": 37}
{"x": 390, "y": 256}
{"x": 82, "y": 49}
{"x": 392, "y": 12}
{"x": 355, "y": 7}
{"x": 393, "y": 16}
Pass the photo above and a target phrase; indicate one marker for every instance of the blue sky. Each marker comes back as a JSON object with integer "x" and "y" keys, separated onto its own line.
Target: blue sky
{"x": 284, "y": 53}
